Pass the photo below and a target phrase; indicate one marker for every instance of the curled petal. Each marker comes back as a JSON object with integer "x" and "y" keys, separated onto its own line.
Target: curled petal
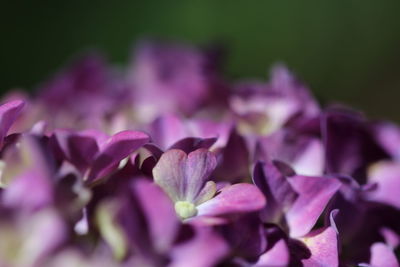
{"x": 118, "y": 147}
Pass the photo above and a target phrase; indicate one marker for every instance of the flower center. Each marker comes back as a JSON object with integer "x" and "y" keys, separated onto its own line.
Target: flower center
{"x": 185, "y": 209}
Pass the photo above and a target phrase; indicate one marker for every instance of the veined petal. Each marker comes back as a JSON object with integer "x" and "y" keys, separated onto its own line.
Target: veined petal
{"x": 183, "y": 176}
{"x": 169, "y": 173}
{"x": 200, "y": 164}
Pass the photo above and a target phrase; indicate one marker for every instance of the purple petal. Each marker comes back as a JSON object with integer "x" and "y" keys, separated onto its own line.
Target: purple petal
{"x": 159, "y": 212}
{"x": 349, "y": 143}
{"x": 278, "y": 255}
{"x": 234, "y": 165}
{"x": 8, "y": 114}
{"x": 386, "y": 175}
{"x": 314, "y": 195}
{"x": 77, "y": 147}
{"x": 118, "y": 147}
{"x": 169, "y": 173}
{"x": 237, "y": 198}
{"x": 177, "y": 75}
{"x": 383, "y": 256}
{"x": 391, "y": 237}
{"x": 167, "y": 130}
{"x": 31, "y": 185}
{"x": 205, "y": 249}
{"x": 183, "y": 176}
{"x": 324, "y": 248}
{"x": 190, "y": 144}
{"x": 388, "y": 135}
{"x": 276, "y": 188}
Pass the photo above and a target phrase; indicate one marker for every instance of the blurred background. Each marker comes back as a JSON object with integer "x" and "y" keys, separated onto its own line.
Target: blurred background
{"x": 347, "y": 51}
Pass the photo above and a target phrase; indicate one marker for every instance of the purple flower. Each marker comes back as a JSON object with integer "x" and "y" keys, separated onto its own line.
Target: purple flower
{"x": 185, "y": 178}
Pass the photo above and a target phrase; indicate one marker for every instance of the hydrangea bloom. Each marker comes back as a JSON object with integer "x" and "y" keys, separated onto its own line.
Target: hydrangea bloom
{"x": 169, "y": 164}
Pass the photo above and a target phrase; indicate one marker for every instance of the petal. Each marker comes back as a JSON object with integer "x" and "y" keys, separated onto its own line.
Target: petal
{"x": 324, "y": 248}
{"x": 118, "y": 147}
{"x": 208, "y": 191}
{"x": 8, "y": 114}
{"x": 349, "y": 144}
{"x": 276, "y": 189}
{"x": 311, "y": 160}
{"x": 167, "y": 130}
{"x": 386, "y": 175}
{"x": 206, "y": 248}
{"x": 169, "y": 173}
{"x": 278, "y": 255}
{"x": 237, "y": 198}
{"x": 30, "y": 178}
{"x": 314, "y": 195}
{"x": 76, "y": 147}
{"x": 183, "y": 176}
{"x": 190, "y": 144}
{"x": 383, "y": 256}
{"x": 159, "y": 212}
{"x": 200, "y": 164}
{"x": 388, "y": 135}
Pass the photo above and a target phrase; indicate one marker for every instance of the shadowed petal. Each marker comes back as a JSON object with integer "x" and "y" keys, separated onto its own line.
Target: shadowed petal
{"x": 387, "y": 176}
{"x": 160, "y": 214}
{"x": 200, "y": 164}
{"x": 118, "y": 147}
{"x": 8, "y": 114}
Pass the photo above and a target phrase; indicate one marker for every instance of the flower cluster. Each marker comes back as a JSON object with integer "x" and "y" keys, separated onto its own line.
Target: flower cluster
{"x": 166, "y": 163}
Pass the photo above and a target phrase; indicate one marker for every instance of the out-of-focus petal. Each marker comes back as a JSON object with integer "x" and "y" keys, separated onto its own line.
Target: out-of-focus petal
{"x": 382, "y": 256}
{"x": 160, "y": 214}
{"x": 276, "y": 188}
{"x": 386, "y": 175}
{"x": 205, "y": 249}
{"x": 118, "y": 147}
{"x": 277, "y": 256}
{"x": 8, "y": 114}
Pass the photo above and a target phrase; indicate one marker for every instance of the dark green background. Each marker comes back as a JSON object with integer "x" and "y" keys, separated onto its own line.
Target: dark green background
{"x": 346, "y": 50}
